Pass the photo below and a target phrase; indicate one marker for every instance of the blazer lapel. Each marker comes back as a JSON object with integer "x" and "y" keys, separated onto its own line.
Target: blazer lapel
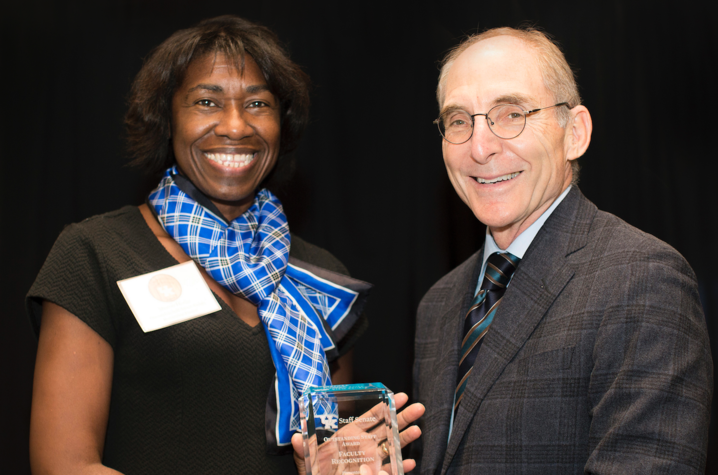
{"x": 539, "y": 279}
{"x": 446, "y": 364}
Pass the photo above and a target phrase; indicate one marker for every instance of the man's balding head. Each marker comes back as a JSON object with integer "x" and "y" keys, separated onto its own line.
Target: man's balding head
{"x": 558, "y": 77}
{"x": 557, "y": 74}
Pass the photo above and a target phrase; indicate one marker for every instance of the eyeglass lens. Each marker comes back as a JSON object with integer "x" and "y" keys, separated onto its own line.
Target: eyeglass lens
{"x": 505, "y": 121}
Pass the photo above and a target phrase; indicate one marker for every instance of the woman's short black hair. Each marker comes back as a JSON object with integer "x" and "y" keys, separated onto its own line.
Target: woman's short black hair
{"x": 148, "y": 120}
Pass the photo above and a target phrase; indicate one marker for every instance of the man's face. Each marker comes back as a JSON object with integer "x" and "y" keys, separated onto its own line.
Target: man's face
{"x": 508, "y": 184}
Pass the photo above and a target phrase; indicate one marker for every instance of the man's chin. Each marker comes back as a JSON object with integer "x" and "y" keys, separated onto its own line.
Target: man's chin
{"x": 497, "y": 214}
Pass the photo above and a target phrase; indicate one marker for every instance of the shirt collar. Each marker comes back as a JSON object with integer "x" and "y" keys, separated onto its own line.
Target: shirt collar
{"x": 521, "y": 244}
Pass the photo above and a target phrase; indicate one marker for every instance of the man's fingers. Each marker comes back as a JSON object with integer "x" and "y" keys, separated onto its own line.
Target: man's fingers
{"x": 410, "y": 414}
{"x": 400, "y": 399}
{"x": 378, "y": 412}
{"x": 409, "y": 465}
{"x": 409, "y": 435}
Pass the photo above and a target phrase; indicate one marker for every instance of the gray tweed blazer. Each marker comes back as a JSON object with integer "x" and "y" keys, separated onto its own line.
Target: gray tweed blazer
{"x": 597, "y": 361}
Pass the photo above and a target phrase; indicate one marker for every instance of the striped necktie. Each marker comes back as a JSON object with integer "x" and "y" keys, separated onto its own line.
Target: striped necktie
{"x": 499, "y": 269}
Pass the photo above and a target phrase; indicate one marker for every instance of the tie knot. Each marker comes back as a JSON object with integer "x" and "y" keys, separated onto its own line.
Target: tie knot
{"x": 499, "y": 269}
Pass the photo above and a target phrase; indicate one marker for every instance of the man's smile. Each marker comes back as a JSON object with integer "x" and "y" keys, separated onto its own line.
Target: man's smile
{"x": 490, "y": 181}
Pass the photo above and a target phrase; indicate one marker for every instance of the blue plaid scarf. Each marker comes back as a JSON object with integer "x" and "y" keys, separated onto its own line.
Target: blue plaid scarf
{"x": 249, "y": 258}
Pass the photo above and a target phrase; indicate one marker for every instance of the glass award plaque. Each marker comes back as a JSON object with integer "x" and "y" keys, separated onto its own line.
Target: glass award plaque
{"x": 345, "y": 427}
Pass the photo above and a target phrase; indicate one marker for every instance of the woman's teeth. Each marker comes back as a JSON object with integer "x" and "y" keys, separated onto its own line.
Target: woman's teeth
{"x": 501, "y": 178}
{"x": 235, "y": 160}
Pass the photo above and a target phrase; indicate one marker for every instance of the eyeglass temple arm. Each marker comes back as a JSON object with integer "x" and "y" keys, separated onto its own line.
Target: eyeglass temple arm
{"x": 542, "y": 108}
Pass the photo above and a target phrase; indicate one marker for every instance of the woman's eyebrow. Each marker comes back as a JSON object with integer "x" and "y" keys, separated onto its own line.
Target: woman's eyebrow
{"x": 253, "y": 89}
{"x": 206, "y": 87}
{"x": 257, "y": 88}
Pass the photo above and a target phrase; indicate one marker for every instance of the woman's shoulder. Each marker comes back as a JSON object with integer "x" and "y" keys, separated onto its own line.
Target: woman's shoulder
{"x": 111, "y": 229}
{"x": 126, "y": 218}
{"x": 78, "y": 273}
{"x": 307, "y": 252}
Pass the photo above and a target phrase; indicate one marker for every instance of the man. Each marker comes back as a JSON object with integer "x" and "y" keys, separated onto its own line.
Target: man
{"x": 581, "y": 346}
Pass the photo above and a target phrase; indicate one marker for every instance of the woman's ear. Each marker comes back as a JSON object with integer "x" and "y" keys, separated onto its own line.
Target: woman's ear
{"x": 578, "y": 132}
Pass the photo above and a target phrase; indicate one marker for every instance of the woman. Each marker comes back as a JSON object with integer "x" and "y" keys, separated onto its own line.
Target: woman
{"x": 216, "y": 107}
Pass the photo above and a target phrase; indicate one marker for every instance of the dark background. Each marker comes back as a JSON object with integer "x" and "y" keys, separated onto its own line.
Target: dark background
{"x": 370, "y": 185}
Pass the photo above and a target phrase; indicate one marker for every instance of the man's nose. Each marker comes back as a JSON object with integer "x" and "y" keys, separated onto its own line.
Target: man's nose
{"x": 484, "y": 143}
{"x": 234, "y": 123}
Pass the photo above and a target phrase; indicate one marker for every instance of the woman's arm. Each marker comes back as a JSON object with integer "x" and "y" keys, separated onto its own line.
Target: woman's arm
{"x": 71, "y": 396}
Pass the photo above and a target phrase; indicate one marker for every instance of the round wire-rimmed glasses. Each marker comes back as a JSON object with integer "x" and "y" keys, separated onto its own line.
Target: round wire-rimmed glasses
{"x": 506, "y": 121}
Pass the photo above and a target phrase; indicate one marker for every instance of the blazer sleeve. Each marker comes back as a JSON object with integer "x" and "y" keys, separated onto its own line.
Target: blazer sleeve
{"x": 651, "y": 385}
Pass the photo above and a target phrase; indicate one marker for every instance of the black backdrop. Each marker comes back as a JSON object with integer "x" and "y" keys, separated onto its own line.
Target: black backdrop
{"x": 370, "y": 184}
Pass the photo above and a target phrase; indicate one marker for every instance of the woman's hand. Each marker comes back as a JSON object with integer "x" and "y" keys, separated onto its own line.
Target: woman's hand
{"x": 406, "y": 436}
{"x": 70, "y": 397}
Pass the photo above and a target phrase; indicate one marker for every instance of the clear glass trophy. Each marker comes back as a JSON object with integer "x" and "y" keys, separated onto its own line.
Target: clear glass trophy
{"x": 345, "y": 427}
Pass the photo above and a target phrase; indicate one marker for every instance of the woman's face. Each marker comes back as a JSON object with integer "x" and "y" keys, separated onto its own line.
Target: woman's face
{"x": 225, "y": 131}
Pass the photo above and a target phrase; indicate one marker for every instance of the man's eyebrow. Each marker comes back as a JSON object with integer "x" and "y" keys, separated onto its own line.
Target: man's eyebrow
{"x": 512, "y": 99}
{"x": 515, "y": 98}
{"x": 451, "y": 108}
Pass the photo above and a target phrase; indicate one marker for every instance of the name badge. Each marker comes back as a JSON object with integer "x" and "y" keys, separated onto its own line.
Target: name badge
{"x": 168, "y": 296}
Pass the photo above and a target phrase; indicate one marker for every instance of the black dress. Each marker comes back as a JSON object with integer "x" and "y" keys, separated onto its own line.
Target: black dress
{"x": 189, "y": 398}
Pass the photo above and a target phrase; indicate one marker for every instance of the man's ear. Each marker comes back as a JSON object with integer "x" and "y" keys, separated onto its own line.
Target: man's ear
{"x": 578, "y": 132}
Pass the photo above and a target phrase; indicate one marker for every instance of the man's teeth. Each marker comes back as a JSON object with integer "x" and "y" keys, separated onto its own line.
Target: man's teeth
{"x": 234, "y": 160}
{"x": 501, "y": 178}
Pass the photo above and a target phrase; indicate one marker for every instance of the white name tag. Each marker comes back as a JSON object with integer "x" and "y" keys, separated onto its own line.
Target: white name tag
{"x": 168, "y": 296}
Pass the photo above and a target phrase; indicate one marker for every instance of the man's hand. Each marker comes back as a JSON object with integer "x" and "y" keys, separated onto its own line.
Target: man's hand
{"x": 404, "y": 418}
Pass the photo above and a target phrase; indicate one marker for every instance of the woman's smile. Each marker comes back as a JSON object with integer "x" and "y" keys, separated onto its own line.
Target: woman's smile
{"x": 232, "y": 160}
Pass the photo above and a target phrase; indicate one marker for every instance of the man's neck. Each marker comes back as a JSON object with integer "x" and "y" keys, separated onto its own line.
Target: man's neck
{"x": 503, "y": 237}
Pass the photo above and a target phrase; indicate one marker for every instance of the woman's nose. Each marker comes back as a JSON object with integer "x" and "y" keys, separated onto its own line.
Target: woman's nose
{"x": 234, "y": 123}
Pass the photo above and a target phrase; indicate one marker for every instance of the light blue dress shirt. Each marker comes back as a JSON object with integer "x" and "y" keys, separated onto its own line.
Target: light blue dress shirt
{"x": 521, "y": 244}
